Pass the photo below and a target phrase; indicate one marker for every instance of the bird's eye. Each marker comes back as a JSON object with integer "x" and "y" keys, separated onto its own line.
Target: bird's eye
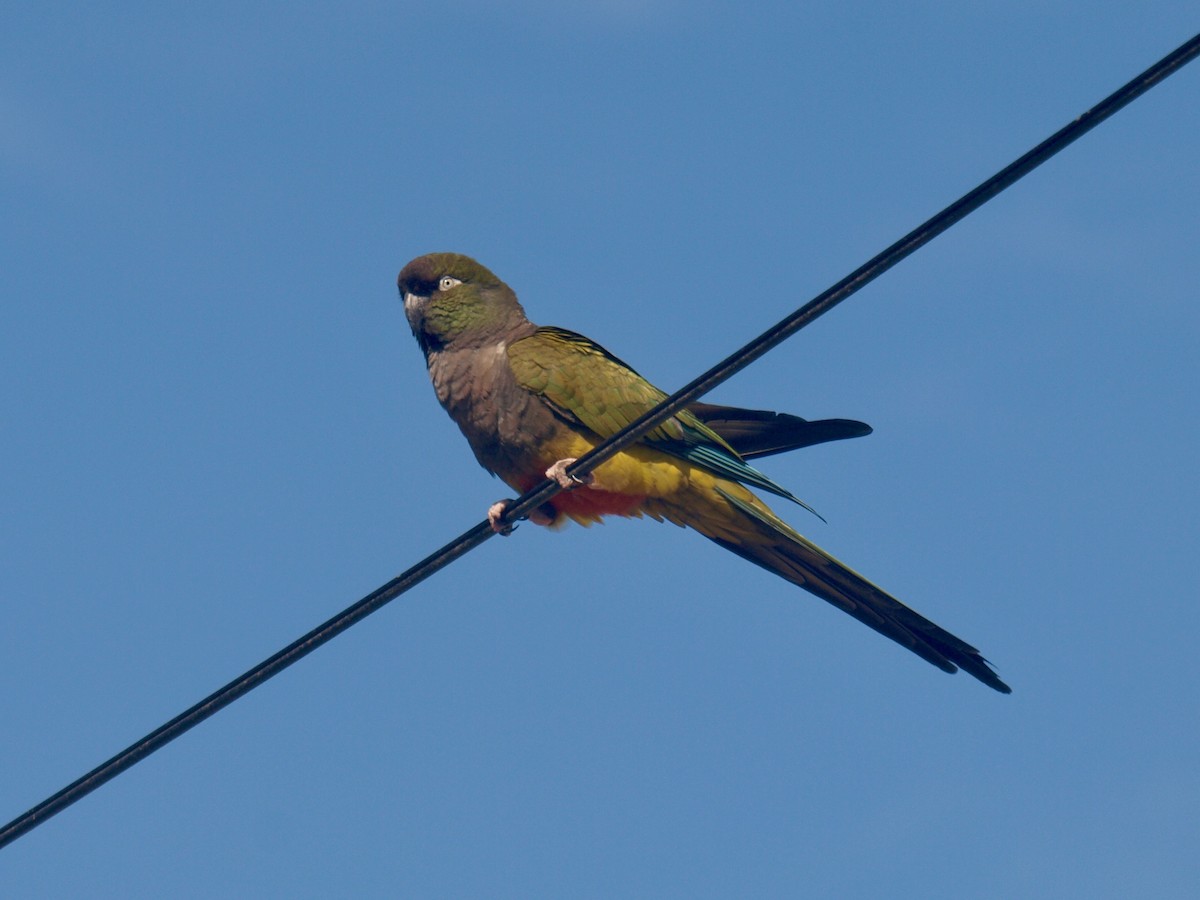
{"x": 446, "y": 282}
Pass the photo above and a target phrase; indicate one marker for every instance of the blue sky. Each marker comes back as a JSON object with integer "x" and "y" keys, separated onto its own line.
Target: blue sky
{"x": 218, "y": 432}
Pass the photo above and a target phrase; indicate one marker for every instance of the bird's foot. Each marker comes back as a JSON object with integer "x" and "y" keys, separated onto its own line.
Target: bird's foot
{"x": 496, "y": 512}
{"x": 558, "y": 474}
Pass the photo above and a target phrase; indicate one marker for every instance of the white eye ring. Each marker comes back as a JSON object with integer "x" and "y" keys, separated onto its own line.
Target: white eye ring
{"x": 446, "y": 282}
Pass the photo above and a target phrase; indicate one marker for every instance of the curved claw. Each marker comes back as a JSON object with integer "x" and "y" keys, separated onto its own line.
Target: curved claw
{"x": 495, "y": 513}
{"x": 558, "y": 474}
{"x": 543, "y": 515}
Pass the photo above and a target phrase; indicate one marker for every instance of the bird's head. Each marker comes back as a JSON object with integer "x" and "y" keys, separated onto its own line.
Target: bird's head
{"x": 451, "y": 299}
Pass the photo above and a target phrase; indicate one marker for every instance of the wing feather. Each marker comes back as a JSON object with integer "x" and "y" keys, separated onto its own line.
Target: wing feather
{"x": 588, "y": 386}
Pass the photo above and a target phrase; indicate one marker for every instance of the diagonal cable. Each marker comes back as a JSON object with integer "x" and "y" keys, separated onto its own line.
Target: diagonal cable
{"x": 530, "y": 500}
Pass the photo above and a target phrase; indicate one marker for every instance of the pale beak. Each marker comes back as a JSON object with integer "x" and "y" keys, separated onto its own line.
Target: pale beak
{"x": 413, "y": 302}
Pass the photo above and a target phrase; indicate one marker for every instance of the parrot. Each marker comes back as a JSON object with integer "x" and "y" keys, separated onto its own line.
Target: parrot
{"x": 532, "y": 399}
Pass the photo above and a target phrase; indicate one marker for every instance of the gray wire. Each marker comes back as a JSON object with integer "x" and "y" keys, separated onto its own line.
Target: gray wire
{"x": 530, "y": 500}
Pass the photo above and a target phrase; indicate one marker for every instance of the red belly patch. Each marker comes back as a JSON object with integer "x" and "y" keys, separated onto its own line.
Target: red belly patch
{"x": 588, "y": 503}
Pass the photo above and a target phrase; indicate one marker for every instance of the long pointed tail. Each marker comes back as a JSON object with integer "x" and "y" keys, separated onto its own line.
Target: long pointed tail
{"x": 765, "y": 540}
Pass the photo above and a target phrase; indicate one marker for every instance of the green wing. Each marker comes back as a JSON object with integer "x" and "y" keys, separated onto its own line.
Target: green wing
{"x": 589, "y": 386}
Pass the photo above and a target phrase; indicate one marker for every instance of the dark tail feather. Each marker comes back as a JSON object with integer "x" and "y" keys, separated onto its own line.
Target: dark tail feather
{"x": 758, "y": 432}
{"x": 807, "y": 565}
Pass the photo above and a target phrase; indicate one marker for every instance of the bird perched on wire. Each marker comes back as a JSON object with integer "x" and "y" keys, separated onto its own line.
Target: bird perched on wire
{"x": 531, "y": 399}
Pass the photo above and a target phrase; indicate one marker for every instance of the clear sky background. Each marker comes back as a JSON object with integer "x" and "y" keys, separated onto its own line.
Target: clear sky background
{"x": 218, "y": 431}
